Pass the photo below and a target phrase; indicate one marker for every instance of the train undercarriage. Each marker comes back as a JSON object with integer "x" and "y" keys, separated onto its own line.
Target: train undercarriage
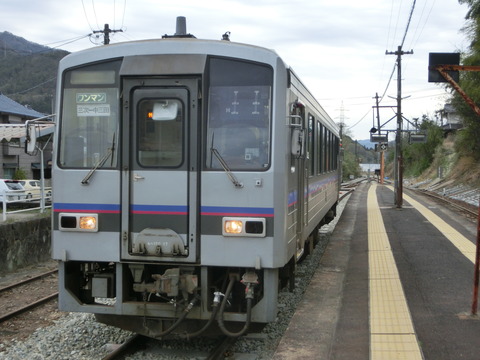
{"x": 168, "y": 300}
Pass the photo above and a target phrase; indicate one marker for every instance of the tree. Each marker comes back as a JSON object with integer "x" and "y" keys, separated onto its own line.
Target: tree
{"x": 350, "y": 161}
{"x": 20, "y": 174}
{"x": 418, "y": 157}
{"x": 468, "y": 140}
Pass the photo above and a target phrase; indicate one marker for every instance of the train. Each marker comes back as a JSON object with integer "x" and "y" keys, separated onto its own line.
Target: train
{"x": 190, "y": 176}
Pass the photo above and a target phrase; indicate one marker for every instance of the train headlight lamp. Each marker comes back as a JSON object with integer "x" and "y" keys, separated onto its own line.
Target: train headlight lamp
{"x": 233, "y": 226}
{"x": 243, "y": 226}
{"x": 78, "y": 222}
{"x": 88, "y": 223}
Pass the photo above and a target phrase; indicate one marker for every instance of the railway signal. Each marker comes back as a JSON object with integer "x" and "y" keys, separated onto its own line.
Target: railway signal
{"x": 381, "y": 147}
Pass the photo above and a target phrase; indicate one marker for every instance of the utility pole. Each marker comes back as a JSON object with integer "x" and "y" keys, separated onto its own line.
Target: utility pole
{"x": 398, "y": 138}
{"x": 106, "y": 33}
{"x": 382, "y": 154}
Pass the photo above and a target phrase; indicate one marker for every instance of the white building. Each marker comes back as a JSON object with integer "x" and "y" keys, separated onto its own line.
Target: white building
{"x": 12, "y": 154}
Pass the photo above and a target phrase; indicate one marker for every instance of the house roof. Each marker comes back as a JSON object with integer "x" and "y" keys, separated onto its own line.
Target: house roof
{"x": 14, "y": 131}
{"x": 9, "y": 106}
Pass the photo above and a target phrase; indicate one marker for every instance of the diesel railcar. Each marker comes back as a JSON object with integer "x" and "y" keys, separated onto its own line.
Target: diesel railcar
{"x": 189, "y": 177}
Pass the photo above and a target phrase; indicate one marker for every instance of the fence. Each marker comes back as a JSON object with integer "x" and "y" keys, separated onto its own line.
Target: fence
{"x": 9, "y": 197}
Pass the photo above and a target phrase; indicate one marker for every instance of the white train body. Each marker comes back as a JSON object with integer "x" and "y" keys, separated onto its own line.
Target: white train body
{"x": 182, "y": 164}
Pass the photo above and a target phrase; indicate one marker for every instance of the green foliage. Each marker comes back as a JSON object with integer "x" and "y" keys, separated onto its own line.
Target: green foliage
{"x": 350, "y": 158}
{"x": 468, "y": 139}
{"x": 20, "y": 174}
{"x": 29, "y": 78}
{"x": 418, "y": 157}
{"x": 350, "y": 166}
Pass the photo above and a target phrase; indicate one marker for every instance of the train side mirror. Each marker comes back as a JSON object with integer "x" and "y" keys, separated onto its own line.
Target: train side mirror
{"x": 31, "y": 139}
{"x": 297, "y": 142}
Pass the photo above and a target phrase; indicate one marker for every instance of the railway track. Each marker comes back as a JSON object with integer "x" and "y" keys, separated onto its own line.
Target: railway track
{"x": 129, "y": 346}
{"x": 219, "y": 351}
{"x": 24, "y": 295}
{"x": 348, "y": 187}
{"x": 467, "y": 209}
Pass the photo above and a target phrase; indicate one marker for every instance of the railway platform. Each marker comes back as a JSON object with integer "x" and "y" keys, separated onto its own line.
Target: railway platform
{"x": 392, "y": 284}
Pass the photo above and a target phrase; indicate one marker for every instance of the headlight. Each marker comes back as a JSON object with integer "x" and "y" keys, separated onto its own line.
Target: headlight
{"x": 248, "y": 227}
{"x": 88, "y": 222}
{"x": 233, "y": 226}
{"x": 78, "y": 222}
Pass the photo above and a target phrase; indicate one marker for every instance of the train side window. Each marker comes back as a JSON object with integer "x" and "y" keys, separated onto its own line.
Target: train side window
{"x": 327, "y": 150}
{"x": 332, "y": 145}
{"x": 311, "y": 145}
{"x": 336, "y": 144}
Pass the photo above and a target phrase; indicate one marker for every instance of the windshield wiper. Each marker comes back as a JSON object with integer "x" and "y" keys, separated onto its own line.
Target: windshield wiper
{"x": 225, "y": 167}
{"x": 100, "y": 163}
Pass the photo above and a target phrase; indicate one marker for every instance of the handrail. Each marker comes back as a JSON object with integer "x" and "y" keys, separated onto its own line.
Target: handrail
{"x": 23, "y": 199}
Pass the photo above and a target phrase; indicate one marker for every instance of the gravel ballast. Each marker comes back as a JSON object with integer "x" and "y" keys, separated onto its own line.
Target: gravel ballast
{"x": 77, "y": 336}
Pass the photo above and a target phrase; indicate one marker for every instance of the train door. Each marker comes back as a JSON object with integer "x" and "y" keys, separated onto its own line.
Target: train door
{"x": 159, "y": 185}
{"x": 299, "y": 153}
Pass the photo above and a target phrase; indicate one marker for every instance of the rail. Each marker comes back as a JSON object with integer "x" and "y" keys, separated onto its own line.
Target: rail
{"x": 9, "y": 197}
{"x": 8, "y": 295}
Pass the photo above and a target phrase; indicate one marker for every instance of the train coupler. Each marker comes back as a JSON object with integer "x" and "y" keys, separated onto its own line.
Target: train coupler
{"x": 250, "y": 280}
{"x": 171, "y": 283}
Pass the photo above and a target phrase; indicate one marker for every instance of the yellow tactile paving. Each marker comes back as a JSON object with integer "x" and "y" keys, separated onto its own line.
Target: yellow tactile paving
{"x": 465, "y": 246}
{"x": 382, "y": 267}
{"x": 398, "y": 347}
{"x": 392, "y": 335}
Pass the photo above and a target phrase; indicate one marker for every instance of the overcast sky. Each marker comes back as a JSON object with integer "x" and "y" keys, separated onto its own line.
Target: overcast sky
{"x": 337, "y": 47}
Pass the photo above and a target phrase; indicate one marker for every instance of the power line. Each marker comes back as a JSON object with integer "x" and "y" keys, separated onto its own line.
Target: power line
{"x": 398, "y": 20}
{"x": 48, "y": 48}
{"x": 95, "y": 13}
{"x": 124, "y": 11}
{"x": 68, "y": 41}
{"x": 403, "y": 41}
{"x": 114, "y": 12}
{"x": 86, "y": 17}
{"x": 358, "y": 122}
{"x": 415, "y": 38}
{"x": 389, "y": 81}
{"x": 33, "y": 87}
{"x": 408, "y": 23}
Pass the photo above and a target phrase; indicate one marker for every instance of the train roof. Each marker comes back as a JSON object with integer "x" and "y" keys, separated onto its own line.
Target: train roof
{"x": 191, "y": 46}
{"x": 172, "y": 46}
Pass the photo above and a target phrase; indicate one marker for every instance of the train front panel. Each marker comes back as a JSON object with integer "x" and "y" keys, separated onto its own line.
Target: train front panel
{"x": 170, "y": 185}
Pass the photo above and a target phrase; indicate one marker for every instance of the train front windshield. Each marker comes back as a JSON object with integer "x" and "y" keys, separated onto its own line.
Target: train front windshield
{"x": 238, "y": 126}
{"x": 239, "y": 113}
{"x": 90, "y": 119}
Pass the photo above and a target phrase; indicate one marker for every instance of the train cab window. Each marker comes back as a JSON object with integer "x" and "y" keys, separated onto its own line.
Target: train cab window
{"x": 239, "y": 115}
{"x": 89, "y": 117}
{"x": 160, "y": 132}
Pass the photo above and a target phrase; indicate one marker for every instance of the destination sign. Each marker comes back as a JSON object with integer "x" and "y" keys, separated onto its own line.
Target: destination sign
{"x": 91, "y": 98}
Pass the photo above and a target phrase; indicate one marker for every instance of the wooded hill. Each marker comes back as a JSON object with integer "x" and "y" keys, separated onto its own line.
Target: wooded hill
{"x": 28, "y": 72}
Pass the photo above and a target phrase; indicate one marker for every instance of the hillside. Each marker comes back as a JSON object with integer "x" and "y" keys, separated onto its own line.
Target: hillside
{"x": 28, "y": 72}
{"x": 448, "y": 166}
{"x": 451, "y": 175}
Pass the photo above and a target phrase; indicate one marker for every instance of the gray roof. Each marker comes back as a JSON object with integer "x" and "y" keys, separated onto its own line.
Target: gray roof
{"x": 13, "y": 131}
{"x": 9, "y": 106}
